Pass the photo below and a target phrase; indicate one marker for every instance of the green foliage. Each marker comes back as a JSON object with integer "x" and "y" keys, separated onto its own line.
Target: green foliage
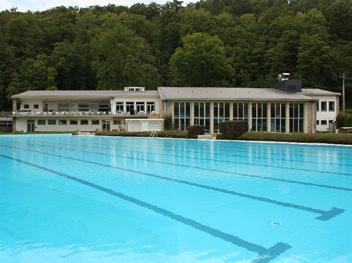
{"x": 200, "y": 62}
{"x": 207, "y": 43}
{"x": 344, "y": 120}
{"x": 167, "y": 122}
{"x": 194, "y": 131}
{"x": 233, "y": 129}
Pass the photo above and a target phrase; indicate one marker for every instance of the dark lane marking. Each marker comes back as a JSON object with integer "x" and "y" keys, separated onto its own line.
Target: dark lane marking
{"x": 323, "y": 215}
{"x": 243, "y": 163}
{"x": 265, "y": 255}
{"x": 245, "y": 149}
{"x": 331, "y": 187}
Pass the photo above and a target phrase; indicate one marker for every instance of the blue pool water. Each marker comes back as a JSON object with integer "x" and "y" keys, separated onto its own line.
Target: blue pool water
{"x": 95, "y": 199}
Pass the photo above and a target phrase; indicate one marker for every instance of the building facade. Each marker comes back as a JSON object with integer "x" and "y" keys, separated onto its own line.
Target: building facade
{"x": 265, "y": 109}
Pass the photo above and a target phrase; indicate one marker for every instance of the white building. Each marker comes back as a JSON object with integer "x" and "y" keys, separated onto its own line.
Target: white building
{"x": 327, "y": 107}
{"x": 286, "y": 108}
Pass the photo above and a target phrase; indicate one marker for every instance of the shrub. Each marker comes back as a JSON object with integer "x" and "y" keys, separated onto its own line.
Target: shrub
{"x": 167, "y": 122}
{"x": 233, "y": 129}
{"x": 195, "y": 130}
{"x": 344, "y": 120}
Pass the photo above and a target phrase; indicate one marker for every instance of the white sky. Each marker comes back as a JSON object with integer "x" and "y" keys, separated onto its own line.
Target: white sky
{"x": 37, "y": 5}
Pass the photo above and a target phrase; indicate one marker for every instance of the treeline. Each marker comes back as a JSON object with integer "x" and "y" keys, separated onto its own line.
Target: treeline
{"x": 208, "y": 43}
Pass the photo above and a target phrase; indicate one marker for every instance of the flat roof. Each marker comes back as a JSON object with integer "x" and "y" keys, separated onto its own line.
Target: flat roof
{"x": 78, "y": 94}
{"x": 319, "y": 92}
{"x": 223, "y": 93}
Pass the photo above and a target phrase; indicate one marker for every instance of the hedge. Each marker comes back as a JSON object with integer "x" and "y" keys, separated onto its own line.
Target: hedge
{"x": 232, "y": 129}
{"x": 195, "y": 130}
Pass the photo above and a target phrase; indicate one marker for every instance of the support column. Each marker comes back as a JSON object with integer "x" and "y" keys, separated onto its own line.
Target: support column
{"x": 113, "y": 106}
{"x": 231, "y": 111}
{"x": 211, "y": 117}
{"x": 14, "y": 105}
{"x": 192, "y": 114}
{"x": 305, "y": 118}
{"x": 250, "y": 116}
{"x": 287, "y": 120}
{"x": 268, "y": 116}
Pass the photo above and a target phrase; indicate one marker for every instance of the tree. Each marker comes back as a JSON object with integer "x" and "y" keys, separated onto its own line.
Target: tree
{"x": 200, "y": 62}
{"x": 121, "y": 58}
{"x": 316, "y": 65}
{"x": 33, "y": 74}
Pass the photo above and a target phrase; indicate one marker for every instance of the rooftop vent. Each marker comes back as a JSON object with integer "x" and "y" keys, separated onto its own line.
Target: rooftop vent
{"x": 134, "y": 88}
{"x": 286, "y": 85}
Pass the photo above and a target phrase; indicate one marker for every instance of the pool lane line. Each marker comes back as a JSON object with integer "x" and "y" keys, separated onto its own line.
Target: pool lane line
{"x": 244, "y": 149}
{"x": 330, "y": 187}
{"x": 265, "y": 254}
{"x": 324, "y": 215}
{"x": 247, "y": 163}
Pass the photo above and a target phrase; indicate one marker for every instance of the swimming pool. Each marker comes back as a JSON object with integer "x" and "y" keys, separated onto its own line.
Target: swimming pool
{"x": 111, "y": 199}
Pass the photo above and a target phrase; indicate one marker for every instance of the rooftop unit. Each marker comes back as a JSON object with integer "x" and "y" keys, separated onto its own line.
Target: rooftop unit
{"x": 286, "y": 85}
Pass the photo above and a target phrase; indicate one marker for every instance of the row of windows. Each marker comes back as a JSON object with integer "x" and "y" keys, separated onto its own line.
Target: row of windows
{"x": 139, "y": 106}
{"x": 182, "y": 115}
{"x": 75, "y": 122}
{"x": 323, "y": 105}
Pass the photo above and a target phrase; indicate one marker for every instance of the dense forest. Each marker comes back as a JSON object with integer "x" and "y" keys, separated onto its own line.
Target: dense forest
{"x": 242, "y": 43}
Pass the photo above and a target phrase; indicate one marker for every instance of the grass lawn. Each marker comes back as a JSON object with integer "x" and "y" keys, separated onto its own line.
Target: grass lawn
{"x": 336, "y": 138}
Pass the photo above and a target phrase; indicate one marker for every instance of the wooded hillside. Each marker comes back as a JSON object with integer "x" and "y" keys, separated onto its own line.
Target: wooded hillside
{"x": 209, "y": 43}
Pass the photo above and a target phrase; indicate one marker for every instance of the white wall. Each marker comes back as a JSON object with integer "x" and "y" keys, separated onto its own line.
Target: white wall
{"x": 326, "y": 115}
{"x": 139, "y": 125}
{"x": 31, "y": 104}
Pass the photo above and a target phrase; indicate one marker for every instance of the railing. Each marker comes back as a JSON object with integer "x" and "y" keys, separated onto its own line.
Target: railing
{"x": 77, "y": 113}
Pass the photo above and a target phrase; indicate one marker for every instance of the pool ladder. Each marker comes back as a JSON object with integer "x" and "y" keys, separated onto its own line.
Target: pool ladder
{"x": 152, "y": 134}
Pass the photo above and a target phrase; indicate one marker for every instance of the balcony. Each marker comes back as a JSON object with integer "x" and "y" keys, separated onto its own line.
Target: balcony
{"x": 80, "y": 114}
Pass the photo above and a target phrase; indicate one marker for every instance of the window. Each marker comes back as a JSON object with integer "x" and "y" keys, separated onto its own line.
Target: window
{"x": 84, "y": 122}
{"x": 150, "y": 106}
{"x": 51, "y": 122}
{"x": 323, "y": 106}
{"x": 296, "y": 117}
{"x": 331, "y": 105}
{"x": 36, "y": 106}
{"x": 202, "y": 114}
{"x": 324, "y": 122}
{"x": 182, "y": 113}
{"x": 83, "y": 107}
{"x": 63, "y": 107}
{"x": 140, "y": 106}
{"x": 318, "y": 122}
{"x": 278, "y": 117}
{"x": 221, "y": 113}
{"x": 240, "y": 111}
{"x": 41, "y": 122}
{"x": 73, "y": 122}
{"x": 104, "y": 107}
{"x": 95, "y": 122}
{"x": 26, "y": 106}
{"x": 317, "y": 105}
{"x": 259, "y": 116}
{"x": 130, "y": 107}
{"x": 62, "y": 122}
{"x": 119, "y": 107}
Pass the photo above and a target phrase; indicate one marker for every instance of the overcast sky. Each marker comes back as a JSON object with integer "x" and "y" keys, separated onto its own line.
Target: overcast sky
{"x": 35, "y": 5}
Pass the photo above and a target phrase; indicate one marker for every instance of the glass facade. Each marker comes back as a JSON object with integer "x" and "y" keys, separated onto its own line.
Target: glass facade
{"x": 221, "y": 113}
{"x": 259, "y": 116}
{"x": 296, "y": 117}
{"x": 278, "y": 117}
{"x": 202, "y": 114}
{"x": 240, "y": 111}
{"x": 182, "y": 115}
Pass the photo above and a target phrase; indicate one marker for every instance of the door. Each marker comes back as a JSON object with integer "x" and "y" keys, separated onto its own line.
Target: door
{"x": 30, "y": 126}
{"x": 106, "y": 125}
